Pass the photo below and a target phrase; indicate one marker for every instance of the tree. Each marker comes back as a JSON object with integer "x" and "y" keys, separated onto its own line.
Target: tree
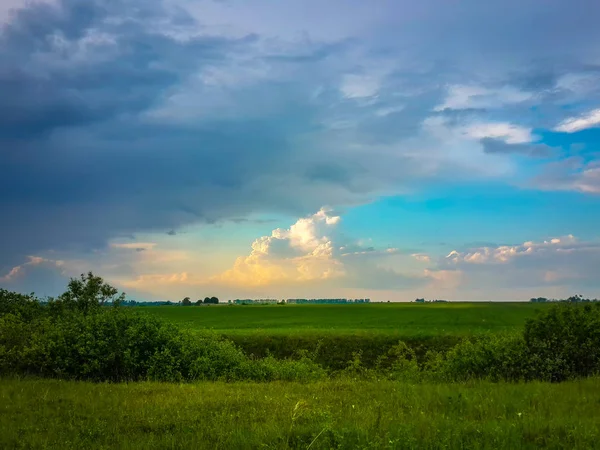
{"x": 198, "y": 302}
{"x": 214, "y": 300}
{"x": 88, "y": 293}
{"x": 186, "y": 302}
{"x": 206, "y": 300}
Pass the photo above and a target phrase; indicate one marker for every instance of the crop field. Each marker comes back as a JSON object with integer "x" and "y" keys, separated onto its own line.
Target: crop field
{"x": 334, "y": 333}
{"x": 399, "y": 319}
{"x": 323, "y": 415}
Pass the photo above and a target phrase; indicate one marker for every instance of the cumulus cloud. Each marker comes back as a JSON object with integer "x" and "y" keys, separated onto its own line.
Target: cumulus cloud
{"x": 310, "y": 256}
{"x": 563, "y": 261}
{"x": 303, "y": 252}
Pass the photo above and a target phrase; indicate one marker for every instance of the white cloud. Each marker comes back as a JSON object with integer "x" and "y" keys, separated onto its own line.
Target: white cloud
{"x": 302, "y": 252}
{"x": 555, "y": 267}
{"x": 574, "y": 124}
{"x": 505, "y": 253}
{"x": 468, "y": 96}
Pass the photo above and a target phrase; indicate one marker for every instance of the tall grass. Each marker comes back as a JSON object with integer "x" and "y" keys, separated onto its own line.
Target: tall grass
{"x": 333, "y": 414}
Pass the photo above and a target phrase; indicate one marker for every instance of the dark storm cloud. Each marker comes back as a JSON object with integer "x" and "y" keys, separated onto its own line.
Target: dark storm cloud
{"x": 107, "y": 127}
{"x": 83, "y": 161}
{"x": 83, "y": 63}
{"x": 73, "y": 173}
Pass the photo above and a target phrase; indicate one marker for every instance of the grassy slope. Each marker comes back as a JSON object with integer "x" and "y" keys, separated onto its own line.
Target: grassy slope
{"x": 402, "y": 319}
{"x": 339, "y": 414}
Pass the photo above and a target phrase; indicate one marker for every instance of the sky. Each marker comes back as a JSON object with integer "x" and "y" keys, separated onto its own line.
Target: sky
{"x": 300, "y": 149}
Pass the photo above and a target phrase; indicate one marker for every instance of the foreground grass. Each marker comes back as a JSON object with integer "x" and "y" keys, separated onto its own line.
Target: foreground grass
{"x": 401, "y": 319}
{"x": 333, "y": 414}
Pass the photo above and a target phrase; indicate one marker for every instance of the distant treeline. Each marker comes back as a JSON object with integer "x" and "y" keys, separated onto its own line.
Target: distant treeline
{"x": 263, "y": 301}
{"x": 136, "y": 303}
{"x": 422, "y": 300}
{"x": 572, "y": 299}
{"x": 327, "y": 300}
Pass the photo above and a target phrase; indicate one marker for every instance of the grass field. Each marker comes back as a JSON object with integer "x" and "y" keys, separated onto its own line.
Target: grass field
{"x": 400, "y": 319}
{"x": 332, "y": 414}
{"x": 334, "y": 333}
{"x": 345, "y": 410}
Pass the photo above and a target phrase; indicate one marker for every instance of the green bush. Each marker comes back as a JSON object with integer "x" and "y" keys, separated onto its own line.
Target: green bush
{"x": 25, "y": 306}
{"x": 560, "y": 344}
{"x": 564, "y": 342}
{"x": 79, "y": 336}
{"x": 494, "y": 357}
{"x": 399, "y": 363}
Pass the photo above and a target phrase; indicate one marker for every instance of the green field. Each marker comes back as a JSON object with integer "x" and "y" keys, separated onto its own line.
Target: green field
{"x": 334, "y": 333}
{"x": 401, "y": 319}
{"x": 324, "y": 415}
{"x": 334, "y": 377}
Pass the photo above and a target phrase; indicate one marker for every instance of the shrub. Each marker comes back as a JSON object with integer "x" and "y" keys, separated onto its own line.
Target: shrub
{"x": 494, "y": 357}
{"x": 564, "y": 342}
{"x": 77, "y": 336}
{"x": 399, "y": 363}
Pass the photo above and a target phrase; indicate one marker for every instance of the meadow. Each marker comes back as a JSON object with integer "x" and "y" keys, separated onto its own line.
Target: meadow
{"x": 397, "y": 319}
{"x": 332, "y": 334}
{"x": 80, "y": 373}
{"x": 342, "y": 414}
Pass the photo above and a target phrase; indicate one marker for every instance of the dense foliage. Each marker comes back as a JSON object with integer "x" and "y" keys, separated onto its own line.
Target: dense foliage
{"x": 86, "y": 334}
{"x": 559, "y": 344}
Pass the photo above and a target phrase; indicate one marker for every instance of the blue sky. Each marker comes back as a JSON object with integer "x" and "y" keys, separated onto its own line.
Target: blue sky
{"x": 389, "y": 150}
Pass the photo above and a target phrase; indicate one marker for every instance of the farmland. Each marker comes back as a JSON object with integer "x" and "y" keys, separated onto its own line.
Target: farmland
{"x": 333, "y": 333}
{"x": 398, "y": 319}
